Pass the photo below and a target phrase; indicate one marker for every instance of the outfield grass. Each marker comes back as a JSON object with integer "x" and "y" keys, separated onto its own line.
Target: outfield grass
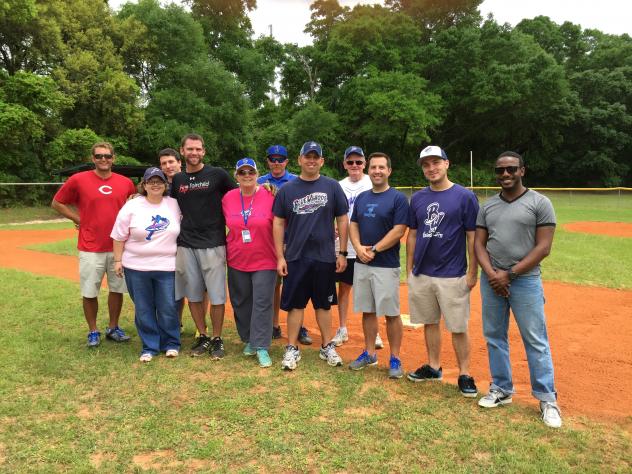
{"x": 24, "y": 214}
{"x": 66, "y": 408}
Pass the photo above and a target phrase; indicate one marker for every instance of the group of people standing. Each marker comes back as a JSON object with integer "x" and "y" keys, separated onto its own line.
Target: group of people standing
{"x": 281, "y": 240}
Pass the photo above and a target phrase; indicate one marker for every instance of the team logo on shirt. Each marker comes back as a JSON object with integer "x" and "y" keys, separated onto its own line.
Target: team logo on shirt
{"x": 370, "y": 210}
{"x": 158, "y": 224}
{"x": 105, "y": 189}
{"x": 310, "y": 203}
{"x": 184, "y": 188}
{"x": 433, "y": 220}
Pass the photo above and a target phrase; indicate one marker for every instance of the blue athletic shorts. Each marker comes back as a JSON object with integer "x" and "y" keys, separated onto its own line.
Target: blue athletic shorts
{"x": 309, "y": 279}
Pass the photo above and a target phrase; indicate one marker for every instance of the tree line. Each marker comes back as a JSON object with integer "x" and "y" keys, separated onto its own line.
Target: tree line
{"x": 392, "y": 78}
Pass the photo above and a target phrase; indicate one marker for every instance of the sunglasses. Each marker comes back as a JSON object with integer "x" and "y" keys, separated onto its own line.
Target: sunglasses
{"x": 499, "y": 170}
{"x": 246, "y": 172}
{"x": 100, "y": 156}
{"x": 355, "y": 162}
{"x": 277, "y": 160}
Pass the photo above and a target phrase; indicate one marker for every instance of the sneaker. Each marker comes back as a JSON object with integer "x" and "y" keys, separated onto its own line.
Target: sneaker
{"x": 425, "y": 373}
{"x": 395, "y": 368}
{"x": 329, "y": 354}
{"x": 342, "y": 336}
{"x": 116, "y": 334}
{"x": 303, "y": 337}
{"x": 494, "y": 399}
{"x": 276, "y": 332}
{"x": 264, "y": 358}
{"x": 94, "y": 338}
{"x": 467, "y": 386}
{"x": 551, "y": 415}
{"x": 363, "y": 360}
{"x": 378, "y": 342}
{"x": 201, "y": 346}
{"x": 217, "y": 348}
{"x": 248, "y": 350}
{"x": 197, "y": 333}
{"x": 290, "y": 358}
{"x": 171, "y": 353}
{"x": 146, "y": 357}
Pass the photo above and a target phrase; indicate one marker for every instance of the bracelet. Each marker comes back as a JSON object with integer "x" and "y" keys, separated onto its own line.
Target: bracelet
{"x": 117, "y": 261}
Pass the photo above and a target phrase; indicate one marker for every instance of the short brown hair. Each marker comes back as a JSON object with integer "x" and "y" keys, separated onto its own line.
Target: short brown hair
{"x": 379, "y": 154}
{"x": 107, "y": 145}
{"x": 191, "y": 136}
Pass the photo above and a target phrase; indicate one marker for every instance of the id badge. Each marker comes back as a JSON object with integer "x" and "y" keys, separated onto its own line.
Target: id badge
{"x": 245, "y": 236}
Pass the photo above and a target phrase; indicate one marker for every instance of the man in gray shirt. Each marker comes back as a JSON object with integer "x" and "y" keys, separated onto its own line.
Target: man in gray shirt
{"x": 514, "y": 233}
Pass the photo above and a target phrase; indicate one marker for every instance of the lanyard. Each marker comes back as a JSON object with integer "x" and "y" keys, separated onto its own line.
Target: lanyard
{"x": 244, "y": 214}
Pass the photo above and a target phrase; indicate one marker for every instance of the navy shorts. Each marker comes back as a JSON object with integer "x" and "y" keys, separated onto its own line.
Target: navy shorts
{"x": 347, "y": 275}
{"x": 309, "y": 279}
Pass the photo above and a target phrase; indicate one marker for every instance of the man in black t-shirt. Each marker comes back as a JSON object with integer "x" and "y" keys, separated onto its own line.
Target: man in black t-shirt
{"x": 201, "y": 257}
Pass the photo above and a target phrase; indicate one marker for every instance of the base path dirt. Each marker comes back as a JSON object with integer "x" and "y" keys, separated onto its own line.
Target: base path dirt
{"x": 590, "y": 331}
{"x": 613, "y": 229}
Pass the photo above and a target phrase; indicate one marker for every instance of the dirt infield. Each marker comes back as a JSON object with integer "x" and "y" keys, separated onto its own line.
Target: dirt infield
{"x": 613, "y": 229}
{"x": 590, "y": 331}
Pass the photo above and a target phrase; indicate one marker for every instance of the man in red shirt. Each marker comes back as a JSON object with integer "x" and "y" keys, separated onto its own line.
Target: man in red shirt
{"x": 92, "y": 200}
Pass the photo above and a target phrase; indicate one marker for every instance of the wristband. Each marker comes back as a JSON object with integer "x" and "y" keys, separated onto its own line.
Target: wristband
{"x": 343, "y": 253}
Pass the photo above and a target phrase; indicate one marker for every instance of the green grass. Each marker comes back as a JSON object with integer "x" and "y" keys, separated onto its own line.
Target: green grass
{"x": 66, "y": 408}
{"x": 61, "y": 247}
{"x": 25, "y": 214}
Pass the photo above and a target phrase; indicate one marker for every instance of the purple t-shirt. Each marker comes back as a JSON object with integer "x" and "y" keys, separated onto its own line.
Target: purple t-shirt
{"x": 441, "y": 219}
{"x": 309, "y": 209}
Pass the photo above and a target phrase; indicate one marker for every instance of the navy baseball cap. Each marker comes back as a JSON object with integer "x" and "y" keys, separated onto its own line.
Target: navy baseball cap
{"x": 354, "y": 150}
{"x": 432, "y": 150}
{"x": 279, "y": 150}
{"x": 245, "y": 162}
{"x": 151, "y": 172}
{"x": 311, "y": 146}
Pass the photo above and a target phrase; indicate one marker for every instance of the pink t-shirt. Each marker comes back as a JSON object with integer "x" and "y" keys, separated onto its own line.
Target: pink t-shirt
{"x": 259, "y": 253}
{"x": 150, "y": 232}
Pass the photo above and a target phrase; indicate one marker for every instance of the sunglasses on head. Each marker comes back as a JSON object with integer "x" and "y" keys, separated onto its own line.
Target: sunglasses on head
{"x": 99, "y": 156}
{"x": 277, "y": 160}
{"x": 509, "y": 169}
{"x": 355, "y": 162}
{"x": 246, "y": 172}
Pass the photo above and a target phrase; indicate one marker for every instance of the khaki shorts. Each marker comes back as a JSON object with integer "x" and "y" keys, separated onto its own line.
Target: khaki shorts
{"x": 199, "y": 270}
{"x": 429, "y": 297}
{"x": 92, "y": 267}
{"x": 375, "y": 290}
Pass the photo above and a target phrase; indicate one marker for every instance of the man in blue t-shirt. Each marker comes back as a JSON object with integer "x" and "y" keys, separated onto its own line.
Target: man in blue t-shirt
{"x": 442, "y": 227}
{"x": 304, "y": 212}
{"x": 378, "y": 222}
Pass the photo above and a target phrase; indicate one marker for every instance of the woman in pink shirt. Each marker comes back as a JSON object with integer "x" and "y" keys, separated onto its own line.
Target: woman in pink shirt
{"x": 251, "y": 259}
{"x": 144, "y": 236}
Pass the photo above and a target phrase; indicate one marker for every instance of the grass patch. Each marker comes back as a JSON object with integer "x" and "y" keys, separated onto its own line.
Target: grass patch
{"x": 61, "y": 247}
{"x": 66, "y": 408}
{"x": 25, "y": 214}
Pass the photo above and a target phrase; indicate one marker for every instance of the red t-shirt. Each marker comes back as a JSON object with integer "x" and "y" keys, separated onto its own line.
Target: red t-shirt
{"x": 98, "y": 201}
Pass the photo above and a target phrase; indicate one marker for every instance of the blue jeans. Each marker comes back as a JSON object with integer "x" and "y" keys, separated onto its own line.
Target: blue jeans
{"x": 526, "y": 301}
{"x": 156, "y": 317}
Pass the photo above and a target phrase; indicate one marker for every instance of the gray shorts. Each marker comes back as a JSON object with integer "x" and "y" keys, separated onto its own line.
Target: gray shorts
{"x": 429, "y": 297}
{"x": 92, "y": 267}
{"x": 375, "y": 290}
{"x": 199, "y": 270}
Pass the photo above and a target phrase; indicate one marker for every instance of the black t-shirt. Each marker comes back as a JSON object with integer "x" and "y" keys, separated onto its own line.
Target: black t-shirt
{"x": 199, "y": 196}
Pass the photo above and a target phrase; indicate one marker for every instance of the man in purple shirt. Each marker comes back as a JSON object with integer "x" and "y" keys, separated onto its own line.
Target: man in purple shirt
{"x": 442, "y": 226}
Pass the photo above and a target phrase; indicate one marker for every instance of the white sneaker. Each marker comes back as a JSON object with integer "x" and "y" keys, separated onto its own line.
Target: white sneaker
{"x": 494, "y": 398}
{"x": 146, "y": 357}
{"x": 171, "y": 353}
{"x": 551, "y": 415}
{"x": 342, "y": 336}
{"x": 378, "y": 342}
{"x": 329, "y": 354}
{"x": 290, "y": 358}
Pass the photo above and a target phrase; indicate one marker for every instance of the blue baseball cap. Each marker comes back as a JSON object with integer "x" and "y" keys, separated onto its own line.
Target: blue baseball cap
{"x": 153, "y": 171}
{"x": 432, "y": 150}
{"x": 279, "y": 150}
{"x": 354, "y": 150}
{"x": 311, "y": 146}
{"x": 246, "y": 162}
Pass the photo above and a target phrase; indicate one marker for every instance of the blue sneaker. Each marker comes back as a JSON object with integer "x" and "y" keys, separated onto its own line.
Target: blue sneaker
{"x": 264, "y": 358}
{"x": 395, "y": 368}
{"x": 248, "y": 350}
{"x": 94, "y": 338}
{"x": 363, "y": 361}
{"x": 303, "y": 337}
{"x": 116, "y": 334}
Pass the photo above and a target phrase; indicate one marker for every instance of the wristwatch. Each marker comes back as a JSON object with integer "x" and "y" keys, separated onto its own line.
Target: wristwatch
{"x": 343, "y": 253}
{"x": 512, "y": 275}
{"x": 374, "y": 249}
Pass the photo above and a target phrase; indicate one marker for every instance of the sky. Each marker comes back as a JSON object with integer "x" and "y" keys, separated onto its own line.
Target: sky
{"x": 289, "y": 17}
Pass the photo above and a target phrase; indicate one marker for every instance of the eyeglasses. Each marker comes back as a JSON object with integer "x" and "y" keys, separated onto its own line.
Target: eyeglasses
{"x": 499, "y": 170}
{"x": 355, "y": 162}
{"x": 100, "y": 156}
{"x": 246, "y": 172}
{"x": 277, "y": 160}
{"x": 155, "y": 182}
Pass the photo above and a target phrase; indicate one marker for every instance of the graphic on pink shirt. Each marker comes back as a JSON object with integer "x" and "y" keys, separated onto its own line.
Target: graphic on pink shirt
{"x": 158, "y": 224}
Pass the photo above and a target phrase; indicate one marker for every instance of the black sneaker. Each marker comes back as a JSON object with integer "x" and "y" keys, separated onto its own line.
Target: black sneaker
{"x": 201, "y": 346}
{"x": 303, "y": 337}
{"x": 467, "y": 386}
{"x": 276, "y": 332}
{"x": 116, "y": 334}
{"x": 425, "y": 373}
{"x": 217, "y": 348}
